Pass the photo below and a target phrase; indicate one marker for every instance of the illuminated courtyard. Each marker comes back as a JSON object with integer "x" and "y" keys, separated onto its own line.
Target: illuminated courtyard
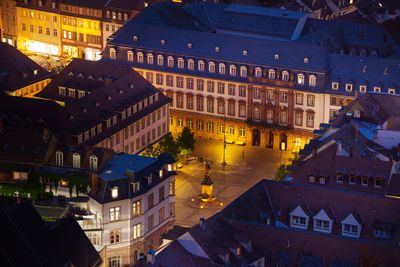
{"x": 246, "y": 165}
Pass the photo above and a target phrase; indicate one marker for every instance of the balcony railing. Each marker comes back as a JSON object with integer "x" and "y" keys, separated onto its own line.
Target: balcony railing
{"x": 94, "y": 224}
{"x": 271, "y": 81}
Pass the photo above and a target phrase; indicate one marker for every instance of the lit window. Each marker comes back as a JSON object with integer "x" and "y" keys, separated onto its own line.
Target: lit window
{"x": 170, "y": 61}
{"x": 300, "y": 78}
{"x": 392, "y": 91}
{"x": 201, "y": 65}
{"x": 150, "y": 59}
{"x": 114, "y": 192}
{"x": 211, "y": 67}
{"x": 221, "y": 68}
{"x": 140, "y": 57}
{"x": 170, "y": 167}
{"x": 181, "y": 63}
{"x": 312, "y": 80}
{"x": 93, "y": 163}
{"x": 191, "y": 64}
{"x": 76, "y": 160}
{"x": 130, "y": 56}
{"x": 271, "y": 74}
{"x": 243, "y": 71}
{"x": 258, "y": 72}
{"x": 232, "y": 70}
{"x": 285, "y": 75}
{"x": 113, "y": 53}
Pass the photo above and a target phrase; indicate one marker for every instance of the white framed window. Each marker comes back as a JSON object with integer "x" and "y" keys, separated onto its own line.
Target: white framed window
{"x": 210, "y": 127}
{"x": 137, "y": 231}
{"x": 59, "y": 158}
{"x": 191, "y": 64}
{"x": 170, "y": 61}
{"x": 364, "y": 181}
{"x": 114, "y": 261}
{"x": 377, "y": 89}
{"x": 76, "y": 160}
{"x": 312, "y": 80}
{"x": 232, "y": 70}
{"x": 335, "y": 86}
{"x": 285, "y": 75}
{"x": 160, "y": 60}
{"x": 300, "y": 78}
{"x": 130, "y": 56}
{"x": 339, "y": 178}
{"x": 114, "y": 192}
{"x": 391, "y": 91}
{"x": 221, "y": 68}
{"x": 113, "y": 53}
{"x": 377, "y": 182}
{"x": 363, "y": 88}
{"x": 242, "y": 131}
{"x": 140, "y": 57}
{"x": 243, "y": 71}
{"x": 181, "y": 63}
{"x": 115, "y": 213}
{"x": 211, "y": 67}
{"x": 258, "y": 72}
{"x": 311, "y": 179}
{"x": 257, "y": 93}
{"x": 271, "y": 74}
{"x": 297, "y": 220}
{"x": 321, "y": 225}
{"x": 349, "y": 87}
{"x": 93, "y": 163}
{"x": 200, "y": 65}
{"x": 350, "y": 229}
{"x": 150, "y": 59}
{"x": 276, "y": 56}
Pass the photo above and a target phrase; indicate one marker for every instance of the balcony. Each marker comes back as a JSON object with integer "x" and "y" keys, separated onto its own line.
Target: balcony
{"x": 271, "y": 82}
{"x": 93, "y": 224}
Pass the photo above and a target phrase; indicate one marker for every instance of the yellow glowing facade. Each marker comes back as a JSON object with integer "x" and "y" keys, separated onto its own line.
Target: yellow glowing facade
{"x": 31, "y": 89}
{"x": 38, "y": 31}
{"x": 81, "y": 29}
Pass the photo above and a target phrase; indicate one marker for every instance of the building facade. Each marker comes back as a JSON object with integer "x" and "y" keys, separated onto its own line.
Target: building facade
{"x": 9, "y": 22}
{"x": 39, "y": 27}
{"x": 272, "y": 97}
{"x": 133, "y": 201}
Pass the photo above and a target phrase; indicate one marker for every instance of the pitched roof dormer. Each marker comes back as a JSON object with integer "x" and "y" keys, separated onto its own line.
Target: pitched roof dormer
{"x": 323, "y": 220}
{"x": 299, "y": 217}
{"x": 351, "y": 225}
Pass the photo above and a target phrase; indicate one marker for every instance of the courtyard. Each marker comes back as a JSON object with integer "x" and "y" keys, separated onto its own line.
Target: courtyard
{"x": 246, "y": 165}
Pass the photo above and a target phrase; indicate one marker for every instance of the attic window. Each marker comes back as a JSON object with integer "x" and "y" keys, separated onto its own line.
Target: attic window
{"x": 97, "y": 104}
{"x": 335, "y": 85}
{"x": 276, "y": 56}
{"x": 90, "y": 77}
{"x": 189, "y": 45}
{"x": 80, "y": 75}
{"x": 70, "y": 73}
{"x": 114, "y": 192}
{"x": 311, "y": 179}
{"x": 306, "y": 60}
{"x": 100, "y": 79}
{"x": 377, "y": 89}
{"x": 35, "y": 72}
{"x": 162, "y": 42}
{"x": 217, "y": 49}
{"x": 322, "y": 180}
{"x": 109, "y": 98}
{"x": 392, "y": 91}
{"x": 135, "y": 38}
{"x": 244, "y": 52}
{"x": 363, "y": 88}
{"x": 121, "y": 91}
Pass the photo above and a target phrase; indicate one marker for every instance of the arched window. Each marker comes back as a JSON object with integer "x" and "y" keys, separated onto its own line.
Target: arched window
{"x": 191, "y": 64}
{"x": 150, "y": 58}
{"x": 285, "y": 75}
{"x": 130, "y": 56}
{"x": 125, "y": 16}
{"x": 119, "y": 16}
{"x": 258, "y": 72}
{"x": 76, "y": 160}
{"x": 59, "y": 158}
{"x": 271, "y": 74}
{"x": 160, "y": 60}
{"x": 114, "y": 15}
{"x": 113, "y": 53}
{"x": 211, "y": 67}
{"x": 221, "y": 68}
{"x": 312, "y": 80}
{"x": 108, "y": 14}
{"x": 243, "y": 71}
{"x": 300, "y": 78}
{"x": 181, "y": 63}
{"x": 140, "y": 57}
{"x": 93, "y": 163}
{"x": 200, "y": 65}
{"x": 170, "y": 61}
{"x": 232, "y": 70}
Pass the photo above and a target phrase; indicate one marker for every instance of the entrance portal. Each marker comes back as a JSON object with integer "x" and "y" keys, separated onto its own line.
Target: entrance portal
{"x": 256, "y": 137}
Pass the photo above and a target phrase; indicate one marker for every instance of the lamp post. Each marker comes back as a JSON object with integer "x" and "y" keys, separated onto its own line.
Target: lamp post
{"x": 223, "y": 158}
{"x": 283, "y": 146}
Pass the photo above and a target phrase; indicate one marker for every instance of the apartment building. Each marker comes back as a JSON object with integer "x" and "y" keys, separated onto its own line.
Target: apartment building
{"x": 133, "y": 202}
{"x": 272, "y": 88}
{"x": 9, "y": 21}
{"x": 110, "y": 106}
{"x": 39, "y": 27}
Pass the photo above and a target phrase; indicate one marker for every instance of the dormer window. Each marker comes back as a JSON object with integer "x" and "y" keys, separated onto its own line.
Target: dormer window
{"x": 306, "y": 60}
{"x": 130, "y": 56}
{"x": 35, "y": 72}
{"x": 150, "y": 59}
{"x": 364, "y": 181}
{"x": 321, "y": 225}
{"x": 211, "y": 67}
{"x": 170, "y": 167}
{"x": 258, "y": 72}
{"x": 217, "y": 49}
{"x": 352, "y": 179}
{"x": 200, "y": 65}
{"x": 181, "y": 63}
{"x": 322, "y": 180}
{"x": 382, "y": 233}
{"x": 191, "y": 64}
{"x": 377, "y": 89}
{"x": 135, "y": 38}
{"x": 221, "y": 68}
{"x": 312, "y": 80}
{"x": 232, "y": 70}
{"x": 140, "y": 57}
{"x": 114, "y": 192}
{"x": 285, "y": 75}
{"x": 298, "y": 218}
{"x": 300, "y": 79}
{"x": 339, "y": 178}
{"x": 335, "y": 86}
{"x": 162, "y": 42}
{"x": 349, "y": 229}
{"x": 377, "y": 182}
{"x": 113, "y": 53}
{"x": 76, "y": 160}
{"x": 271, "y": 74}
{"x": 351, "y": 226}
{"x": 322, "y": 222}
{"x": 189, "y": 45}
{"x": 311, "y": 179}
{"x": 160, "y": 60}
{"x": 243, "y": 71}
{"x": 363, "y": 88}
{"x": 161, "y": 173}
{"x": 276, "y": 57}
{"x": 99, "y": 128}
{"x": 93, "y": 163}
{"x": 349, "y": 87}
{"x": 244, "y": 52}
{"x": 392, "y": 91}
{"x": 59, "y": 158}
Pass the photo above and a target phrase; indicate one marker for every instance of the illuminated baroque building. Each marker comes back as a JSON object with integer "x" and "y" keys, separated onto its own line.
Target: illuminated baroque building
{"x": 9, "y": 21}
{"x": 39, "y": 27}
{"x": 19, "y": 75}
{"x": 110, "y": 106}
{"x": 270, "y": 76}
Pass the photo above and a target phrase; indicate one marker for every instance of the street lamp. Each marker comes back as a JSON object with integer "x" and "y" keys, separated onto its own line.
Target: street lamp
{"x": 283, "y": 146}
{"x": 223, "y": 160}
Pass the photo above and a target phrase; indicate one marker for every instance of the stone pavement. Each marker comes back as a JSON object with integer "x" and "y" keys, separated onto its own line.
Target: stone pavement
{"x": 245, "y": 167}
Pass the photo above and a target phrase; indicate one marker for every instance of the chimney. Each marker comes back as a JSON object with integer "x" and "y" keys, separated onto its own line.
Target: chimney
{"x": 314, "y": 152}
{"x": 202, "y": 224}
{"x": 355, "y": 131}
{"x": 94, "y": 181}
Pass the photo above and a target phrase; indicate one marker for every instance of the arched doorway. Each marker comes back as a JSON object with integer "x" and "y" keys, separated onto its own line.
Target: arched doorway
{"x": 256, "y": 137}
{"x": 283, "y": 142}
{"x": 270, "y": 140}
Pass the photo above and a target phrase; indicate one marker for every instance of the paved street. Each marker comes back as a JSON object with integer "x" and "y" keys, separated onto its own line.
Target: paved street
{"x": 246, "y": 166}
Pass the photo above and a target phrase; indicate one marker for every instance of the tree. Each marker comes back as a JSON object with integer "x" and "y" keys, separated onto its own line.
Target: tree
{"x": 280, "y": 172}
{"x": 168, "y": 144}
{"x": 186, "y": 141}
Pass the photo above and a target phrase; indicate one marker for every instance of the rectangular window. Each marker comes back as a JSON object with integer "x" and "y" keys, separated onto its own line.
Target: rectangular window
{"x": 189, "y": 83}
{"x": 115, "y": 236}
{"x": 231, "y": 89}
{"x": 189, "y": 102}
{"x": 284, "y": 97}
{"x": 310, "y": 120}
{"x": 150, "y": 222}
{"x": 150, "y": 201}
{"x": 270, "y": 95}
{"x": 210, "y": 105}
{"x": 299, "y": 118}
{"x": 170, "y": 80}
{"x": 210, "y": 86}
{"x": 311, "y": 100}
{"x": 159, "y": 79}
{"x": 299, "y": 99}
{"x": 137, "y": 208}
{"x": 335, "y": 85}
{"x": 221, "y": 88}
{"x": 242, "y": 90}
{"x": 161, "y": 215}
{"x": 200, "y": 85}
{"x": 242, "y": 110}
{"x": 257, "y": 93}
{"x": 231, "y": 108}
{"x": 179, "y": 82}
{"x": 137, "y": 231}
{"x": 179, "y": 101}
{"x": 200, "y": 103}
{"x": 161, "y": 194}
